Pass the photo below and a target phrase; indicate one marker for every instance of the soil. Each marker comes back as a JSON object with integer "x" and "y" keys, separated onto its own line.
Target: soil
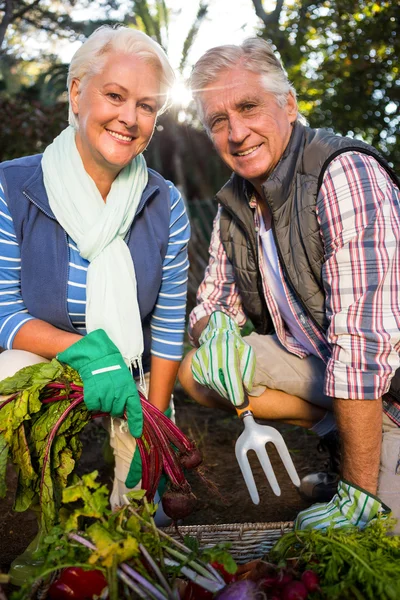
{"x": 215, "y": 433}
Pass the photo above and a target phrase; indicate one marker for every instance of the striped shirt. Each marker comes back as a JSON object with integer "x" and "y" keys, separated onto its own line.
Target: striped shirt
{"x": 359, "y": 218}
{"x": 168, "y": 318}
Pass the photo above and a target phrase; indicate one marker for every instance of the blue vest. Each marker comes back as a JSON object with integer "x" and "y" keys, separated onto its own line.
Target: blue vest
{"x": 45, "y": 252}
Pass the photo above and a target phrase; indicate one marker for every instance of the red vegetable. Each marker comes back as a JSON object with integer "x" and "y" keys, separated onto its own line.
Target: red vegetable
{"x": 191, "y": 459}
{"x": 310, "y": 580}
{"x": 228, "y": 577}
{"x": 178, "y": 502}
{"x": 283, "y": 578}
{"x": 61, "y": 591}
{"x": 77, "y": 584}
{"x": 294, "y": 590}
{"x": 196, "y": 592}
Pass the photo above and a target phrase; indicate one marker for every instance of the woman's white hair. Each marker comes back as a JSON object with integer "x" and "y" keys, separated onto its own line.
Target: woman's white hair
{"x": 254, "y": 55}
{"x": 89, "y": 59}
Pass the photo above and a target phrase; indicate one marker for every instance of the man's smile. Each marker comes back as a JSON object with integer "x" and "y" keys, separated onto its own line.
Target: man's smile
{"x": 248, "y": 151}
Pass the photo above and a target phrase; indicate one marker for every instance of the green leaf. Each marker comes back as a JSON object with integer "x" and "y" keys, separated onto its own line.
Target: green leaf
{"x": 34, "y": 375}
{"x": 108, "y": 548}
{"x": 3, "y": 465}
{"x": 93, "y": 499}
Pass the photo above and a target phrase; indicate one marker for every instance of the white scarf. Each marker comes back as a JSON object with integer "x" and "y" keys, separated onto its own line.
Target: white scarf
{"x": 98, "y": 228}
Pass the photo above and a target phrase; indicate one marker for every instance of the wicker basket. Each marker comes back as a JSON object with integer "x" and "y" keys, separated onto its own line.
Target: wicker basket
{"x": 248, "y": 540}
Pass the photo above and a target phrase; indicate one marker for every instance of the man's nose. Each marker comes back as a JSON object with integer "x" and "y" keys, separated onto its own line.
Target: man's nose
{"x": 238, "y": 130}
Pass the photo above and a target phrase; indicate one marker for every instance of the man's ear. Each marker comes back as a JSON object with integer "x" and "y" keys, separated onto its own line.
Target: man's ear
{"x": 291, "y": 107}
{"x": 74, "y": 96}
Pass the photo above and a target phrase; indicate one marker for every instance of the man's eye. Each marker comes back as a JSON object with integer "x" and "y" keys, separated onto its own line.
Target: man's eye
{"x": 115, "y": 97}
{"x": 248, "y": 107}
{"x": 216, "y": 123}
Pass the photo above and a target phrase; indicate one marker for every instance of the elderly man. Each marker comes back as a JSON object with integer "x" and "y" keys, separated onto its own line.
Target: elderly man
{"x": 306, "y": 245}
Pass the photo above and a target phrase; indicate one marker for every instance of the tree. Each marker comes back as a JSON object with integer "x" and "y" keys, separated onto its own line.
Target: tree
{"x": 343, "y": 58}
{"x": 23, "y": 19}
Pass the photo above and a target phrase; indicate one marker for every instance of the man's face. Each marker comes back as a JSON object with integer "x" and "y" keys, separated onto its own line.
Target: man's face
{"x": 247, "y": 126}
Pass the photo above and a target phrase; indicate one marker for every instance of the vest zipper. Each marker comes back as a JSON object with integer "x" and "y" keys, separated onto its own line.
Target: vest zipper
{"x": 256, "y": 254}
{"x": 68, "y": 253}
{"x": 283, "y": 266}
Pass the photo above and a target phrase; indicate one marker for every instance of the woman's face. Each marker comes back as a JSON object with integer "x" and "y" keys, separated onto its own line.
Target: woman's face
{"x": 116, "y": 111}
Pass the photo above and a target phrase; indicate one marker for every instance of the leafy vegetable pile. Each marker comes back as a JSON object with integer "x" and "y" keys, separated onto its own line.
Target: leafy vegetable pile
{"x": 136, "y": 559}
{"x": 350, "y": 564}
{"x": 39, "y": 428}
{"x": 41, "y": 434}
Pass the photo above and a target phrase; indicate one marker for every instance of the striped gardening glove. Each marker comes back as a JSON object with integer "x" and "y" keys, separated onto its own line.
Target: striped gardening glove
{"x": 350, "y": 507}
{"x": 224, "y": 362}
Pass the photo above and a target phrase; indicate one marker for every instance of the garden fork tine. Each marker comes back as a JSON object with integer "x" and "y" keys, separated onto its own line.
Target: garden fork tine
{"x": 255, "y": 437}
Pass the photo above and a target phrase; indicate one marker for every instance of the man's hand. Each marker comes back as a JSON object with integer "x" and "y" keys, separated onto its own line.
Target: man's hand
{"x": 108, "y": 385}
{"x": 224, "y": 362}
{"x": 350, "y": 507}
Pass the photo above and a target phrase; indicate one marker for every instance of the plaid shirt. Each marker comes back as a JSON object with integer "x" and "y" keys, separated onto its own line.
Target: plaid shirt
{"x": 359, "y": 217}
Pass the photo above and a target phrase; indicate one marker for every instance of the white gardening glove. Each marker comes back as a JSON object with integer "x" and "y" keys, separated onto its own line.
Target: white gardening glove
{"x": 224, "y": 362}
{"x": 351, "y": 506}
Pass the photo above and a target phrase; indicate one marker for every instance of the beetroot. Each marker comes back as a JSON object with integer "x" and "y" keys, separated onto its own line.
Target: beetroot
{"x": 294, "y": 590}
{"x": 192, "y": 459}
{"x": 310, "y": 580}
{"x": 239, "y": 590}
{"x": 178, "y": 503}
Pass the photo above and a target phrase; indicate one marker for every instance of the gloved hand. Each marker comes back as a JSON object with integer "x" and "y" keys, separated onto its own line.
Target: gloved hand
{"x": 135, "y": 470}
{"x": 350, "y": 507}
{"x": 108, "y": 385}
{"x": 224, "y": 362}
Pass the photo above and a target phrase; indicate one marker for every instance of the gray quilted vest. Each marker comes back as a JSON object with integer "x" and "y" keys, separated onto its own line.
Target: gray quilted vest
{"x": 290, "y": 192}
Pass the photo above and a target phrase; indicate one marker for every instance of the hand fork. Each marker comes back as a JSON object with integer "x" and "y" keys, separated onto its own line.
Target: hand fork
{"x": 254, "y": 437}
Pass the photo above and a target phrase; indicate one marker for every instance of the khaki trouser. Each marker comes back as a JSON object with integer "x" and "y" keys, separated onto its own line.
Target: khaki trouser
{"x": 276, "y": 368}
{"x": 121, "y": 441}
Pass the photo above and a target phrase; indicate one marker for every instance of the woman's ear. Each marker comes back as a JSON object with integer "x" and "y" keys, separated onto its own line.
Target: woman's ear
{"x": 74, "y": 96}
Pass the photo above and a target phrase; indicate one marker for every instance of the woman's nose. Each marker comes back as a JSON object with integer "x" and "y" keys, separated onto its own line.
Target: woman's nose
{"x": 128, "y": 115}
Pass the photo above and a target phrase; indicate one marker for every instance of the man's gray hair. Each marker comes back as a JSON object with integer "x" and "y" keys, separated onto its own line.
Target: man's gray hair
{"x": 255, "y": 55}
{"x": 89, "y": 59}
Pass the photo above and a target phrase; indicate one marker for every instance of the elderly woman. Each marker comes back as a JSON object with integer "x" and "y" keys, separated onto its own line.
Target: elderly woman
{"x": 94, "y": 244}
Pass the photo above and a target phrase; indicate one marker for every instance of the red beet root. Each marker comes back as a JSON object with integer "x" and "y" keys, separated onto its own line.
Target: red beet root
{"x": 295, "y": 590}
{"x": 310, "y": 580}
{"x": 178, "y": 503}
{"x": 283, "y": 578}
{"x": 191, "y": 460}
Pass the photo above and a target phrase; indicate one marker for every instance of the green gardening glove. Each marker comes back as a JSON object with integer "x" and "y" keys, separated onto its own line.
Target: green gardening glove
{"x": 350, "y": 507}
{"x": 224, "y": 362}
{"x": 135, "y": 470}
{"x": 108, "y": 385}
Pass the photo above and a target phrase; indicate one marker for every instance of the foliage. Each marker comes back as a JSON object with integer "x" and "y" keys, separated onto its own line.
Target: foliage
{"x": 356, "y": 564}
{"x": 125, "y": 545}
{"x": 343, "y": 59}
{"x": 41, "y": 438}
{"x": 24, "y": 19}
{"x": 28, "y": 126}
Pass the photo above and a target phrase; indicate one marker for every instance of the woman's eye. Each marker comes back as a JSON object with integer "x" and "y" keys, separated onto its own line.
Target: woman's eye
{"x": 147, "y": 108}
{"x": 113, "y": 96}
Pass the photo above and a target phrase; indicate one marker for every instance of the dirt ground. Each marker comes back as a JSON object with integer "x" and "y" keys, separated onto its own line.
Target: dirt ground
{"x": 215, "y": 433}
